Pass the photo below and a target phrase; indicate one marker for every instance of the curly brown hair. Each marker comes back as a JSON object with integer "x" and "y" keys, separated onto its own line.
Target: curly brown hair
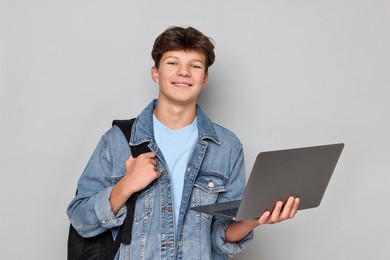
{"x": 179, "y": 38}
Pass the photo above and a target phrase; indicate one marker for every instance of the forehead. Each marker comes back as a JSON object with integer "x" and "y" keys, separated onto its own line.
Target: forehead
{"x": 185, "y": 55}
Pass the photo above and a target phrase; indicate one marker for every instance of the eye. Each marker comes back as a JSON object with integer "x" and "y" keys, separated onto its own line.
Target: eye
{"x": 196, "y": 66}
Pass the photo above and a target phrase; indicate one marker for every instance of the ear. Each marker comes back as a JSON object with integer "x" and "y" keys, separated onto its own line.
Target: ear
{"x": 154, "y": 74}
{"x": 205, "y": 79}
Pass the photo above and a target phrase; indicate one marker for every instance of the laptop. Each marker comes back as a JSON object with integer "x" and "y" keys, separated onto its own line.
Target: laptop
{"x": 277, "y": 175}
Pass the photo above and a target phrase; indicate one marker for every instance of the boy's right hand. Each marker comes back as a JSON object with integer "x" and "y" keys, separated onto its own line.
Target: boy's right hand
{"x": 140, "y": 172}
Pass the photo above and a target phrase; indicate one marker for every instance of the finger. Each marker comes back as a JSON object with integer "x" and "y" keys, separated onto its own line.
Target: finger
{"x": 264, "y": 217}
{"x": 148, "y": 155}
{"x": 274, "y": 218}
{"x": 294, "y": 208}
{"x": 153, "y": 162}
{"x": 152, "y": 165}
{"x": 287, "y": 209}
{"x": 157, "y": 173}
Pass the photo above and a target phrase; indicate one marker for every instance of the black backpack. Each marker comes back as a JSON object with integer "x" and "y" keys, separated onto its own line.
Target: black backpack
{"x": 103, "y": 247}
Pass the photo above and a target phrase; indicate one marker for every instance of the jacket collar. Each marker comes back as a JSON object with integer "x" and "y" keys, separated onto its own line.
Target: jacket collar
{"x": 143, "y": 126}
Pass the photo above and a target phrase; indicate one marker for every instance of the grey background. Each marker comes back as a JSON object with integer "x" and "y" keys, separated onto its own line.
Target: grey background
{"x": 287, "y": 74}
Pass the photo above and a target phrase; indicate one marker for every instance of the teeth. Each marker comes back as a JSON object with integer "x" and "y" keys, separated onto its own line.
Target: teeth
{"x": 182, "y": 84}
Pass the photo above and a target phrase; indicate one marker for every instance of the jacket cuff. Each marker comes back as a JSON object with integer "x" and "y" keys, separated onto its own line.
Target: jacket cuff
{"x": 107, "y": 218}
{"x": 226, "y": 247}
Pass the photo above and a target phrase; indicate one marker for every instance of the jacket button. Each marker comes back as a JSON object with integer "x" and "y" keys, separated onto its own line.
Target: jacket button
{"x": 211, "y": 184}
{"x": 168, "y": 208}
{"x": 180, "y": 243}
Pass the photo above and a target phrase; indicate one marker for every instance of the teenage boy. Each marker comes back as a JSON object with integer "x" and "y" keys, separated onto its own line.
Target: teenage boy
{"x": 192, "y": 162}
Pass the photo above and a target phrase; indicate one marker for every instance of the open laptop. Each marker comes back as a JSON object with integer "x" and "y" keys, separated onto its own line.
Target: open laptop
{"x": 276, "y": 175}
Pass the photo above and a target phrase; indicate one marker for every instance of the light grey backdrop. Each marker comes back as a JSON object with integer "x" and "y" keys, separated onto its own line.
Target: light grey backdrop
{"x": 288, "y": 73}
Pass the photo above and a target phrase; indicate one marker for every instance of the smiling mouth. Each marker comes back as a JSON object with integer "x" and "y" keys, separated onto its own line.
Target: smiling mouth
{"x": 181, "y": 84}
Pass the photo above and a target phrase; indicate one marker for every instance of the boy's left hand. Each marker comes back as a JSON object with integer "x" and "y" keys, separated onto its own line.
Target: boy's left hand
{"x": 237, "y": 230}
{"x": 280, "y": 212}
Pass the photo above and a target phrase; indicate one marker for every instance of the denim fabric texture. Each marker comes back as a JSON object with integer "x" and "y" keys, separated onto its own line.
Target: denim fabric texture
{"x": 215, "y": 173}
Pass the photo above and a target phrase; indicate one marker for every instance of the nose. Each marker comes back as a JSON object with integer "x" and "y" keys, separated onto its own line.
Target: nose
{"x": 183, "y": 71}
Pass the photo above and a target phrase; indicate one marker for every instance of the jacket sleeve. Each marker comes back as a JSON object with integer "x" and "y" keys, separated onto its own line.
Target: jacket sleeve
{"x": 90, "y": 211}
{"x": 235, "y": 189}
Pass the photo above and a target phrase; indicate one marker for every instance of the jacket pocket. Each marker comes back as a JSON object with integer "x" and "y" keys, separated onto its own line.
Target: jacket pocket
{"x": 207, "y": 188}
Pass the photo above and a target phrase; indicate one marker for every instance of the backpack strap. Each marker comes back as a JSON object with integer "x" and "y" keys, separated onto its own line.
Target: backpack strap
{"x": 124, "y": 234}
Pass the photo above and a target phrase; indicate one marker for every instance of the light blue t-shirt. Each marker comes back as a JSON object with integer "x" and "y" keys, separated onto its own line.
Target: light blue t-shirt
{"x": 176, "y": 146}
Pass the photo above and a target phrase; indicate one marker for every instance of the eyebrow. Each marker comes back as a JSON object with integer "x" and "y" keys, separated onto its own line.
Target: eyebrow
{"x": 177, "y": 58}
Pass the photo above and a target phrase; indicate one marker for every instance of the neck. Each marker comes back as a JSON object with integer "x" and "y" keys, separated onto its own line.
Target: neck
{"x": 175, "y": 117}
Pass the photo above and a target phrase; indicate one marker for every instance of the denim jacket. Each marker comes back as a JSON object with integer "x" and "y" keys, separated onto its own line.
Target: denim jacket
{"x": 215, "y": 173}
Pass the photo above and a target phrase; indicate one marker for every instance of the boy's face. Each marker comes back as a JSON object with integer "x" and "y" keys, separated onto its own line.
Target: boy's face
{"x": 181, "y": 76}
